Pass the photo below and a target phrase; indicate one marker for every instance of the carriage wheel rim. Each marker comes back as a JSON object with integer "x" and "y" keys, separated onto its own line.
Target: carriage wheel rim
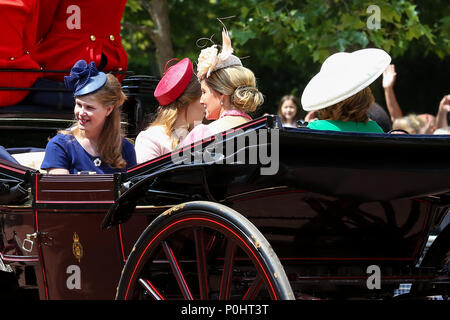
{"x": 166, "y": 228}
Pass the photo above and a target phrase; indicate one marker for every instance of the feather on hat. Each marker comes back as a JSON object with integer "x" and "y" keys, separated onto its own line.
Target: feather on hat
{"x": 211, "y": 60}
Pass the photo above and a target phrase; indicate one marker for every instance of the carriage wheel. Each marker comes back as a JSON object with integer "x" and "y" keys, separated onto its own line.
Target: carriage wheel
{"x": 203, "y": 250}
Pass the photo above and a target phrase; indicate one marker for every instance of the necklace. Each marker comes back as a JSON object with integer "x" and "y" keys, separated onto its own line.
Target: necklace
{"x": 235, "y": 112}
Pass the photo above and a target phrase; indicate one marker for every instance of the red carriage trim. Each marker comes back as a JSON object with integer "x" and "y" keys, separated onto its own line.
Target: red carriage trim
{"x": 41, "y": 257}
{"x": 73, "y": 202}
{"x": 12, "y": 169}
{"x": 122, "y": 250}
{"x": 12, "y": 258}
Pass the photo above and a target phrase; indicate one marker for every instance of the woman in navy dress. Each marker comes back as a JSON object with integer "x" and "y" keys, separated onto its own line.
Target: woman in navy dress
{"x": 95, "y": 144}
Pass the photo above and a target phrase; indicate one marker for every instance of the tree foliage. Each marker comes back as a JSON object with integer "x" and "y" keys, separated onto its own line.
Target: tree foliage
{"x": 284, "y": 41}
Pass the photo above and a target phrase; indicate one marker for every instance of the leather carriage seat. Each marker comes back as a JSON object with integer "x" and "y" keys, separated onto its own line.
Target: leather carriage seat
{"x": 28, "y": 157}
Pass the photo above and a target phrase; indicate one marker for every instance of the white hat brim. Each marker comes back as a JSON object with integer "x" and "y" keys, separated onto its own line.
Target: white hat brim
{"x": 342, "y": 75}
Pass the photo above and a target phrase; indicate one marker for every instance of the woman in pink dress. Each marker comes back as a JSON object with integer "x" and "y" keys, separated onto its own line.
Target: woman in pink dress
{"x": 178, "y": 93}
{"x": 229, "y": 91}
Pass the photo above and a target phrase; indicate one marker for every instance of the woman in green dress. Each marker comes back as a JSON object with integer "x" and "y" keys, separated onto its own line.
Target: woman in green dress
{"x": 340, "y": 94}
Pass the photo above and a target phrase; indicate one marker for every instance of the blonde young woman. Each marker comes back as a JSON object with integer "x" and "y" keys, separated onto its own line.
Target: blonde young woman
{"x": 229, "y": 91}
{"x": 178, "y": 93}
{"x": 95, "y": 143}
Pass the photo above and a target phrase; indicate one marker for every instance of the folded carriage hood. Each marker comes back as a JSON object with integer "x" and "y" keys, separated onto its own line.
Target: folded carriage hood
{"x": 368, "y": 167}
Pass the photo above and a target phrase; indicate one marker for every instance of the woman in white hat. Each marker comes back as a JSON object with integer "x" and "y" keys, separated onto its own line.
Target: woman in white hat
{"x": 229, "y": 91}
{"x": 340, "y": 94}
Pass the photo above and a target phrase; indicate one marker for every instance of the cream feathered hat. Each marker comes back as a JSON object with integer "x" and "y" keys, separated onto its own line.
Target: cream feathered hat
{"x": 211, "y": 60}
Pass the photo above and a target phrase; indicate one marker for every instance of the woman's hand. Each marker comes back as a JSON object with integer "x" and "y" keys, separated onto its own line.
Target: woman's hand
{"x": 444, "y": 109}
{"x": 389, "y": 76}
{"x": 311, "y": 116}
{"x": 57, "y": 171}
{"x": 444, "y": 105}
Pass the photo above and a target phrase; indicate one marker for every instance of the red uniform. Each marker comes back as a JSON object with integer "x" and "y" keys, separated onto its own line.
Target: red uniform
{"x": 18, "y": 23}
{"x": 70, "y": 30}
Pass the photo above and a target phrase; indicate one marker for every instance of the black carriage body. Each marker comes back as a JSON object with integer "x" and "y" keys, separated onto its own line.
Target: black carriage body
{"x": 337, "y": 205}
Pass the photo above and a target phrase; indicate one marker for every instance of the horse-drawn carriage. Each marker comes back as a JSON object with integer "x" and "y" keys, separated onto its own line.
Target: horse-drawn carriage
{"x": 257, "y": 212}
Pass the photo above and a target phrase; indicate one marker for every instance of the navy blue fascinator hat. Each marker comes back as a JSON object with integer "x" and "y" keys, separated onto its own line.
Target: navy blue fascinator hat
{"x": 84, "y": 78}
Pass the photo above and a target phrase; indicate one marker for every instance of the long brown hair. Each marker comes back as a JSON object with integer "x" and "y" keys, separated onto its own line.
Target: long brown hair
{"x": 351, "y": 109}
{"x": 109, "y": 144}
{"x": 167, "y": 115}
{"x": 294, "y": 99}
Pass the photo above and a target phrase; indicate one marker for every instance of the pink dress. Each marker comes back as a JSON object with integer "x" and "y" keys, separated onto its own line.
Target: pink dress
{"x": 152, "y": 143}
{"x": 203, "y": 131}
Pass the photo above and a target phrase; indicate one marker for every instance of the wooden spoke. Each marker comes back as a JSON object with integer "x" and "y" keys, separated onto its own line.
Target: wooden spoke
{"x": 177, "y": 271}
{"x": 202, "y": 251}
{"x": 211, "y": 243}
{"x": 225, "y": 282}
{"x": 150, "y": 289}
{"x": 253, "y": 290}
{"x": 201, "y": 263}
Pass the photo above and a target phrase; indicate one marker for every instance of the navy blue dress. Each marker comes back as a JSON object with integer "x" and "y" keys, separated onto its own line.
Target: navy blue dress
{"x": 63, "y": 151}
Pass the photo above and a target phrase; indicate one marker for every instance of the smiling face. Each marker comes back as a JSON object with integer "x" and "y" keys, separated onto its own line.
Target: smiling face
{"x": 90, "y": 114}
{"x": 210, "y": 100}
{"x": 289, "y": 110}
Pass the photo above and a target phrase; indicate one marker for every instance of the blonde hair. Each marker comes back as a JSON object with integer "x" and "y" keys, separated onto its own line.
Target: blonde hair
{"x": 167, "y": 115}
{"x": 240, "y": 84}
{"x": 109, "y": 144}
{"x": 353, "y": 108}
{"x": 412, "y": 124}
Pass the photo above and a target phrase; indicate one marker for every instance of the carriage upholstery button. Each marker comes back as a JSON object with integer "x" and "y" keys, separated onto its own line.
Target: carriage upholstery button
{"x": 93, "y": 38}
{"x": 111, "y": 37}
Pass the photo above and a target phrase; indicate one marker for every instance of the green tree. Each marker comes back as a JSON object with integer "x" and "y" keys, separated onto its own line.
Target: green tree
{"x": 284, "y": 41}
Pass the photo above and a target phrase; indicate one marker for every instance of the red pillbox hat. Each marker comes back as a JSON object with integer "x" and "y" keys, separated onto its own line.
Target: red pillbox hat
{"x": 174, "y": 82}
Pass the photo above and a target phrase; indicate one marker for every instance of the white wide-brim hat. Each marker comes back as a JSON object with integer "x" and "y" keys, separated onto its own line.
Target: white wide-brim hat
{"x": 342, "y": 75}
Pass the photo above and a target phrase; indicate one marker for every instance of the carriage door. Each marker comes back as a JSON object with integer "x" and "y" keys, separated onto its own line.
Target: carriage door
{"x": 81, "y": 261}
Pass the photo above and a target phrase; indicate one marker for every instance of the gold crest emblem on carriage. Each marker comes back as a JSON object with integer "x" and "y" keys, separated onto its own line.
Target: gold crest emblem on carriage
{"x": 77, "y": 248}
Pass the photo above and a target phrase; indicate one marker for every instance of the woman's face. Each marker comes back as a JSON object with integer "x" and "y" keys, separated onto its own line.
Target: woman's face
{"x": 195, "y": 113}
{"x": 210, "y": 100}
{"x": 289, "y": 110}
{"x": 90, "y": 114}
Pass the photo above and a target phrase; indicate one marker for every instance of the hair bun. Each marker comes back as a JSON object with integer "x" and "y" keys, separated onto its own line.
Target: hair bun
{"x": 247, "y": 98}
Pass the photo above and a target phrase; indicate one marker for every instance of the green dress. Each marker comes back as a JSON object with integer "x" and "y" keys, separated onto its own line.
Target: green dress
{"x": 348, "y": 126}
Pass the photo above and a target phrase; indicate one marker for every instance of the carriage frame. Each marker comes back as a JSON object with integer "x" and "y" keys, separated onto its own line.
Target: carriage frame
{"x": 344, "y": 216}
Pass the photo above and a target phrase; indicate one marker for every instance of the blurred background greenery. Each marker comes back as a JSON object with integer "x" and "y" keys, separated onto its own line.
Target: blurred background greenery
{"x": 285, "y": 41}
